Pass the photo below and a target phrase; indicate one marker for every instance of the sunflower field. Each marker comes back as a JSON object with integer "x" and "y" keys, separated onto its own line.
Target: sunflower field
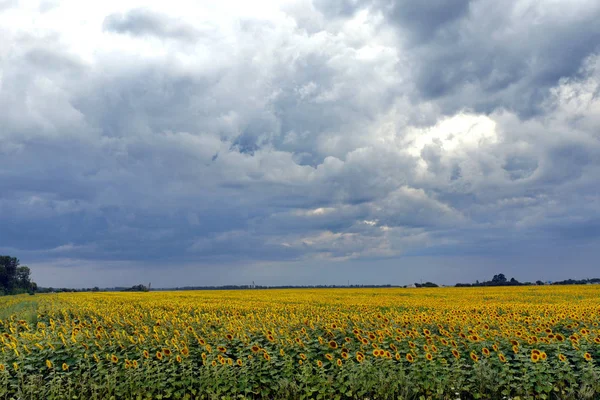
{"x": 444, "y": 343}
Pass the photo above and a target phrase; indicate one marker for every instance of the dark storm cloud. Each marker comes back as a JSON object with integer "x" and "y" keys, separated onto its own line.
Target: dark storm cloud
{"x": 484, "y": 54}
{"x": 441, "y": 131}
{"x": 142, "y": 22}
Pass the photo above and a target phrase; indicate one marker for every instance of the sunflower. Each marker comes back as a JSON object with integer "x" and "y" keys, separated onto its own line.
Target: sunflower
{"x": 562, "y": 357}
{"x": 345, "y": 355}
{"x": 255, "y": 349}
{"x": 239, "y": 362}
{"x": 2, "y": 367}
{"x": 229, "y": 336}
{"x": 339, "y": 362}
{"x": 146, "y": 354}
{"x": 587, "y": 356}
{"x": 266, "y": 356}
{"x": 515, "y": 349}
{"x": 213, "y": 363}
{"x": 65, "y": 367}
{"x": 428, "y": 356}
{"x": 543, "y": 355}
{"x": 360, "y": 357}
{"x": 49, "y": 364}
{"x": 559, "y": 337}
{"x": 501, "y": 357}
{"x": 455, "y": 353}
{"x": 220, "y": 349}
{"x": 134, "y": 363}
{"x": 333, "y": 344}
{"x": 410, "y": 358}
{"x": 535, "y": 357}
{"x": 329, "y": 356}
{"x": 319, "y": 363}
{"x": 178, "y": 358}
{"x": 113, "y": 359}
{"x": 485, "y": 351}
{"x": 474, "y": 356}
{"x": 159, "y": 355}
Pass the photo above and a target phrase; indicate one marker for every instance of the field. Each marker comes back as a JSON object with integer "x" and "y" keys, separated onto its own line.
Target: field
{"x": 448, "y": 343}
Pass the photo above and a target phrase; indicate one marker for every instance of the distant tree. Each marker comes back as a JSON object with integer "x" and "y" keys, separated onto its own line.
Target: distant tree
{"x": 499, "y": 279}
{"x": 8, "y": 270}
{"x": 426, "y": 284}
{"x": 513, "y": 281}
{"x": 539, "y": 282}
{"x": 13, "y": 278}
{"x": 23, "y": 277}
{"x": 137, "y": 288}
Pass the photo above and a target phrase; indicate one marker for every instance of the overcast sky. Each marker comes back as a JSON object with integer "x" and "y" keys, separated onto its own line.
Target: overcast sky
{"x": 299, "y": 142}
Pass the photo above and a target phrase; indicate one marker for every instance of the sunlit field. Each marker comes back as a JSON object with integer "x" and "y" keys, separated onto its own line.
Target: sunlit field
{"x": 448, "y": 343}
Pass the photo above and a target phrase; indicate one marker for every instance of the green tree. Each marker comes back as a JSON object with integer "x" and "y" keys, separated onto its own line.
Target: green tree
{"x": 8, "y": 272}
{"x": 23, "y": 277}
{"x": 15, "y": 278}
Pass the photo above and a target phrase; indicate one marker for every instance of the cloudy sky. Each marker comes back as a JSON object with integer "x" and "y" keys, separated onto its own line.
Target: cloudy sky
{"x": 299, "y": 141}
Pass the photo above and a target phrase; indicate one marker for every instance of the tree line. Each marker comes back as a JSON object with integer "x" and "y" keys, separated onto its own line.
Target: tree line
{"x": 15, "y": 278}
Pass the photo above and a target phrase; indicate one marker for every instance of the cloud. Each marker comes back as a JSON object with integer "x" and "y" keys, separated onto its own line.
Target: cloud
{"x": 145, "y": 22}
{"x": 317, "y": 136}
